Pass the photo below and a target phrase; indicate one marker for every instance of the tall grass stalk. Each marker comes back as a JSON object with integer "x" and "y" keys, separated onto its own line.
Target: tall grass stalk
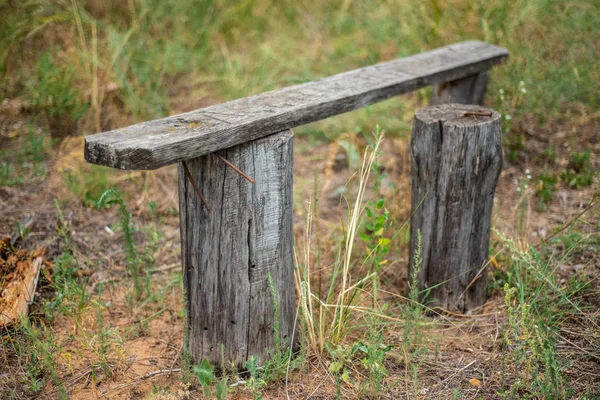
{"x": 340, "y": 312}
{"x": 325, "y": 317}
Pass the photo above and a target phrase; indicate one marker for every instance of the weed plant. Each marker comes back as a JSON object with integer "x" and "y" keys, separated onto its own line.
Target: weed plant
{"x": 133, "y": 258}
{"x": 37, "y": 349}
{"x": 536, "y": 307}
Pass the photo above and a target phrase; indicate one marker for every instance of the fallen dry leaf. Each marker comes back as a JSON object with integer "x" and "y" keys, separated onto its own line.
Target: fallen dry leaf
{"x": 475, "y": 382}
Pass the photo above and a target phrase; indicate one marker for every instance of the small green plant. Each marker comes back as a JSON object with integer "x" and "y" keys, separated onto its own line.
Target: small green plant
{"x": 374, "y": 353}
{"x": 34, "y": 146}
{"x": 21, "y": 231}
{"x": 341, "y": 366}
{"x": 255, "y": 383}
{"x": 205, "y": 374}
{"x": 133, "y": 258}
{"x": 545, "y": 189}
{"x": 514, "y": 144}
{"x": 103, "y": 342}
{"x": 580, "y": 172}
{"x": 71, "y": 297}
{"x": 37, "y": 348}
{"x": 280, "y": 355}
{"x": 7, "y": 175}
{"x": 88, "y": 187}
{"x": 185, "y": 359}
{"x": 377, "y": 220}
{"x": 530, "y": 351}
{"x": 412, "y": 310}
{"x": 370, "y": 354}
{"x": 550, "y": 154}
{"x": 377, "y": 244}
{"x": 339, "y": 370}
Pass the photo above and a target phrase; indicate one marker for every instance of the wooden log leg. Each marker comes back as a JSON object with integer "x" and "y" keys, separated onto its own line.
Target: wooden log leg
{"x": 456, "y": 160}
{"x": 469, "y": 90}
{"x": 231, "y": 252}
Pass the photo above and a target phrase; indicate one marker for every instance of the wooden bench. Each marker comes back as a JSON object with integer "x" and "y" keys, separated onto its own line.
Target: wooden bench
{"x": 236, "y": 231}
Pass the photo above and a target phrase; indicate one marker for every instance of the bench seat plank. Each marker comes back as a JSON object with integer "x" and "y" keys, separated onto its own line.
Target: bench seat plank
{"x": 153, "y": 144}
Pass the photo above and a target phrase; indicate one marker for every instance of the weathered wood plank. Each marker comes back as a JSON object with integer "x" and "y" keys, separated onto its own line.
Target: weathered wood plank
{"x": 456, "y": 160}
{"x": 469, "y": 90}
{"x": 230, "y": 252}
{"x": 153, "y": 144}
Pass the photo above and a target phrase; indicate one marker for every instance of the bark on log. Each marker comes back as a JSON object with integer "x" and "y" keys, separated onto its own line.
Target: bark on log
{"x": 456, "y": 160}
{"x": 230, "y": 252}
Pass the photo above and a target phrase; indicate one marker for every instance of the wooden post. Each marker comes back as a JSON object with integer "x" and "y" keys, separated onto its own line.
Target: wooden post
{"x": 231, "y": 252}
{"x": 456, "y": 160}
{"x": 469, "y": 90}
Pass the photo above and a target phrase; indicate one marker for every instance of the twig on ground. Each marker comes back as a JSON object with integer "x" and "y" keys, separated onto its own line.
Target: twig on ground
{"x": 565, "y": 226}
{"x": 177, "y": 356}
{"x": 141, "y": 378}
{"x": 578, "y": 347}
{"x": 165, "y": 268}
{"x": 67, "y": 384}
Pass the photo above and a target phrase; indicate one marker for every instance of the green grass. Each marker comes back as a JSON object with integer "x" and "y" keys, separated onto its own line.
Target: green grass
{"x": 157, "y": 52}
{"x": 139, "y": 258}
{"x": 24, "y": 161}
{"x": 579, "y": 173}
{"x": 89, "y": 186}
{"x": 538, "y": 305}
{"x": 35, "y": 345}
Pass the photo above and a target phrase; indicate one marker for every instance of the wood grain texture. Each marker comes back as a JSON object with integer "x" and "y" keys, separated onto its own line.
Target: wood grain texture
{"x": 456, "y": 160}
{"x": 153, "y": 144}
{"x": 229, "y": 252}
{"x": 469, "y": 90}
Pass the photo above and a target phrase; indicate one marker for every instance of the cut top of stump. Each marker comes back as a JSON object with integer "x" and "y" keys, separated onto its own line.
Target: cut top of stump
{"x": 154, "y": 144}
{"x": 463, "y": 115}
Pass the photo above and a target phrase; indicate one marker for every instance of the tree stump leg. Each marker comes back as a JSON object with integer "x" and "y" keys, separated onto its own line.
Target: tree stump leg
{"x": 469, "y": 90}
{"x": 232, "y": 252}
{"x": 456, "y": 161}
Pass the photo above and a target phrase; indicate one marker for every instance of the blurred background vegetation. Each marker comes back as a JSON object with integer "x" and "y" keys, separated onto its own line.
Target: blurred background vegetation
{"x": 74, "y": 67}
{"x": 86, "y": 66}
